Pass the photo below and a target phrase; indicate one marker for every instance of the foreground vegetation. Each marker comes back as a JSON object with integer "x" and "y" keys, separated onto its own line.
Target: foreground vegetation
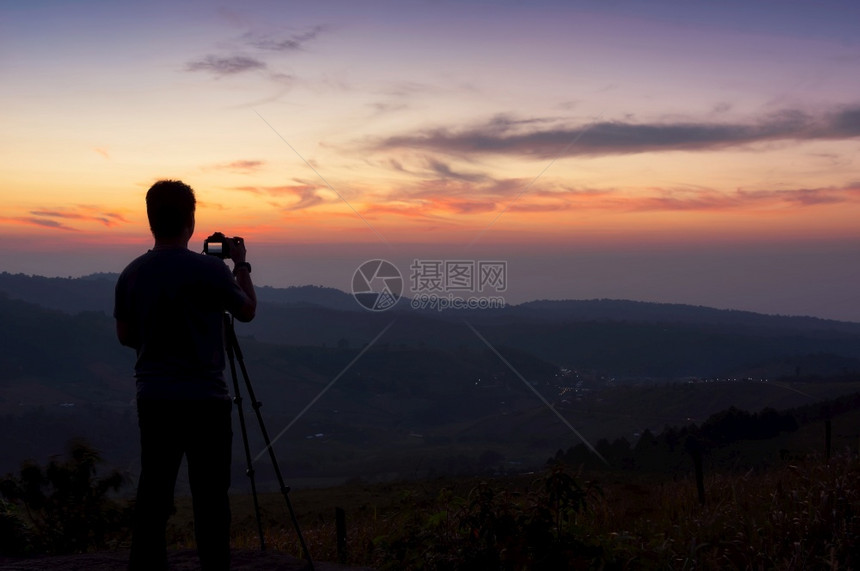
{"x": 802, "y": 515}
{"x": 794, "y": 510}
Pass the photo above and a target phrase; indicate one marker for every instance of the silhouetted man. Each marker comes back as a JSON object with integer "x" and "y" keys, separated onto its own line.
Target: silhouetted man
{"x": 169, "y": 307}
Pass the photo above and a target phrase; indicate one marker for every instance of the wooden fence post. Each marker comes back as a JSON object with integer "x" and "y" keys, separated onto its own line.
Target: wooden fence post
{"x": 694, "y": 447}
{"x": 700, "y": 475}
{"x": 340, "y": 524}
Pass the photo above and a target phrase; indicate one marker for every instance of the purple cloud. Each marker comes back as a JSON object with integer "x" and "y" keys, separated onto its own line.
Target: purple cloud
{"x": 533, "y": 137}
{"x": 221, "y": 66}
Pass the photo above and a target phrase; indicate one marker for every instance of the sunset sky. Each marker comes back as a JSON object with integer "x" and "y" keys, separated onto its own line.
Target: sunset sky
{"x": 659, "y": 151}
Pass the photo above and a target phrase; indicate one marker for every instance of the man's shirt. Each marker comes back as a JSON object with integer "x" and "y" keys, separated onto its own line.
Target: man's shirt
{"x": 173, "y": 301}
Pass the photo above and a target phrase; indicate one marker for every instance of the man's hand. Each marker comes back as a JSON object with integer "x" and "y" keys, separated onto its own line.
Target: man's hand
{"x": 237, "y": 250}
{"x": 243, "y": 278}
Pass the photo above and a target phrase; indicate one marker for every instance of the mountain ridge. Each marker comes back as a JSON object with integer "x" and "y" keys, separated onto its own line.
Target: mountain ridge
{"x": 432, "y": 385}
{"x": 94, "y": 292}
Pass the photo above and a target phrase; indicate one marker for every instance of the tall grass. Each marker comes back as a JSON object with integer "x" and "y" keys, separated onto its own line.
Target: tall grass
{"x": 802, "y": 515}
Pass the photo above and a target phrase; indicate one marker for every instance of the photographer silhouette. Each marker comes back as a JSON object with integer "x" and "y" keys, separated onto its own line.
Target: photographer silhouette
{"x": 169, "y": 307}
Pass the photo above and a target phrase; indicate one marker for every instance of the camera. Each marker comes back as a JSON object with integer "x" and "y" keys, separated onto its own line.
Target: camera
{"x": 219, "y": 245}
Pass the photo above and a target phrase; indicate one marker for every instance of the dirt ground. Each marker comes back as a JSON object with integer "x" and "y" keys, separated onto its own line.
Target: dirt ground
{"x": 184, "y": 560}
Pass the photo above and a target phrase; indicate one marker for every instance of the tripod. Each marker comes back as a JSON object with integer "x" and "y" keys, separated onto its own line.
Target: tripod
{"x": 234, "y": 353}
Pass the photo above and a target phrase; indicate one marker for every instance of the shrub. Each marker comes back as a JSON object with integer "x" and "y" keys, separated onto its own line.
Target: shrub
{"x": 63, "y": 507}
{"x": 494, "y": 528}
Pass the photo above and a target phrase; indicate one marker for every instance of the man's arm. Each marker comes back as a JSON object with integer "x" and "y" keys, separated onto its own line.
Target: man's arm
{"x": 243, "y": 277}
{"x": 125, "y": 330}
{"x": 125, "y": 334}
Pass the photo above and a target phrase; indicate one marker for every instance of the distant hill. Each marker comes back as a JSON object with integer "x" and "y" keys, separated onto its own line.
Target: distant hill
{"x": 625, "y": 310}
{"x": 617, "y": 337}
{"x": 94, "y": 292}
{"x": 311, "y": 295}
{"x": 70, "y": 295}
{"x": 47, "y": 343}
{"x": 429, "y": 387}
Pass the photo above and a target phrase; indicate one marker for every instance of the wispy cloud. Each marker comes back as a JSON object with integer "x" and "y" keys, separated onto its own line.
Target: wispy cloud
{"x": 290, "y": 43}
{"x": 485, "y": 189}
{"x": 533, "y": 208}
{"x": 543, "y": 138}
{"x": 306, "y": 194}
{"x": 55, "y": 218}
{"x": 445, "y": 171}
{"x": 440, "y": 197}
{"x": 689, "y": 199}
{"x": 36, "y": 221}
{"x": 804, "y": 196}
{"x": 384, "y": 107}
{"x": 241, "y": 166}
{"x": 440, "y": 211}
{"x": 257, "y": 45}
{"x": 543, "y": 200}
{"x": 401, "y": 96}
{"x": 846, "y": 122}
{"x": 225, "y": 65}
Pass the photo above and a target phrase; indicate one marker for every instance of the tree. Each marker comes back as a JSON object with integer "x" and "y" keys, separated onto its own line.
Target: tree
{"x": 64, "y": 507}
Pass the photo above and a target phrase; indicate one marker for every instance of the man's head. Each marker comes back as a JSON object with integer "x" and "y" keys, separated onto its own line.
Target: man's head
{"x": 170, "y": 207}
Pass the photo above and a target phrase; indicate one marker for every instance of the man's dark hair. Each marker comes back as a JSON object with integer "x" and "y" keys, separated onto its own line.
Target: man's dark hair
{"x": 170, "y": 207}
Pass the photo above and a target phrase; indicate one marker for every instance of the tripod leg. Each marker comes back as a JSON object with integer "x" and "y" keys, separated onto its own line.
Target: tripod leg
{"x": 233, "y": 342}
{"x": 249, "y": 471}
